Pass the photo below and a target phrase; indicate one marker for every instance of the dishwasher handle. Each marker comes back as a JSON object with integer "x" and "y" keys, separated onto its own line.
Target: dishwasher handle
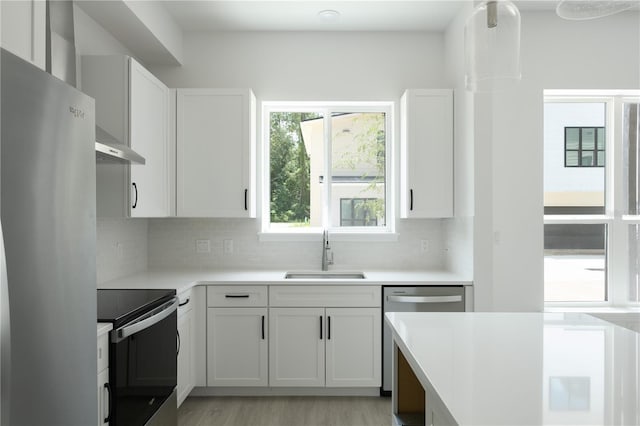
{"x": 424, "y": 299}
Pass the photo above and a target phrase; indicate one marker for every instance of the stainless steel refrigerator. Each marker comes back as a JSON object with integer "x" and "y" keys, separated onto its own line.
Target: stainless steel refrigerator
{"x": 48, "y": 255}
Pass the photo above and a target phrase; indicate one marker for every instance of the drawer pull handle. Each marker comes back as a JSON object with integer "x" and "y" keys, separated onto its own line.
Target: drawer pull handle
{"x": 183, "y": 303}
{"x": 107, "y": 387}
{"x": 236, "y": 296}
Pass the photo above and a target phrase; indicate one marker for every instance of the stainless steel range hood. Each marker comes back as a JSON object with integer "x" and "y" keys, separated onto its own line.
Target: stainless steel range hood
{"x": 61, "y": 63}
{"x": 109, "y": 150}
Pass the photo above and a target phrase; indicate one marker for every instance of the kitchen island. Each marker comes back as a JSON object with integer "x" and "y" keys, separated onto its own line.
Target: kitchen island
{"x": 514, "y": 369}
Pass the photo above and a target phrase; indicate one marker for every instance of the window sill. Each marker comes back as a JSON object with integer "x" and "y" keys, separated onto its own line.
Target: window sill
{"x": 333, "y": 236}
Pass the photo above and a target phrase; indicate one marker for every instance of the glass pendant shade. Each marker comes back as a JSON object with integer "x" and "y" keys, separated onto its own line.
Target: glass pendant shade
{"x": 492, "y": 46}
{"x": 592, "y": 9}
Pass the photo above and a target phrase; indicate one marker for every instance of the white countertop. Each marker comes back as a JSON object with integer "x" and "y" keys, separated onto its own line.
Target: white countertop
{"x": 104, "y": 327}
{"x": 183, "y": 279}
{"x": 524, "y": 368}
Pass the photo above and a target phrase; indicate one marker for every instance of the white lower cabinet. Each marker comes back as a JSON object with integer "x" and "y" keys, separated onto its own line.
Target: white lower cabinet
{"x": 296, "y": 350}
{"x": 332, "y": 346}
{"x": 353, "y": 347}
{"x": 293, "y": 336}
{"x": 237, "y": 347}
{"x": 186, "y": 346}
{"x": 103, "y": 397}
{"x": 103, "y": 389}
{"x": 237, "y": 333}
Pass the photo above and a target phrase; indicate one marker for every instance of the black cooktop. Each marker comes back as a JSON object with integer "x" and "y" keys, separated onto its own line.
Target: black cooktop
{"x": 120, "y": 306}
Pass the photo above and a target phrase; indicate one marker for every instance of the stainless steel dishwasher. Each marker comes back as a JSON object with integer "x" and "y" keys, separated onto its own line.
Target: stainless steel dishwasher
{"x": 414, "y": 299}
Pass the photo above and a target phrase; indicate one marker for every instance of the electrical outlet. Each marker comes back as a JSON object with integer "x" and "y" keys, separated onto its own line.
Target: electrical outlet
{"x": 120, "y": 251}
{"x": 424, "y": 245}
{"x": 227, "y": 246}
{"x": 203, "y": 246}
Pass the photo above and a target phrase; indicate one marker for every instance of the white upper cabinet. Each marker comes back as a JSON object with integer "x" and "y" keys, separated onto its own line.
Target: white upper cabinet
{"x": 426, "y": 154}
{"x": 215, "y": 153}
{"x": 132, "y": 106}
{"x": 23, "y": 29}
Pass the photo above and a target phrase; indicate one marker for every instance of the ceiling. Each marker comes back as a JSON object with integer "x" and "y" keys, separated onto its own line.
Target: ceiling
{"x": 302, "y": 15}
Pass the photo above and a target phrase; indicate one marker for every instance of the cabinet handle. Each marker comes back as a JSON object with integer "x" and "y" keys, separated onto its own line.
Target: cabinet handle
{"x": 183, "y": 303}
{"x": 320, "y": 327}
{"x": 179, "y": 342}
{"x": 263, "y": 327}
{"x": 135, "y": 200}
{"x": 246, "y": 193}
{"x": 107, "y": 387}
{"x": 411, "y": 199}
{"x": 236, "y": 296}
{"x": 328, "y": 328}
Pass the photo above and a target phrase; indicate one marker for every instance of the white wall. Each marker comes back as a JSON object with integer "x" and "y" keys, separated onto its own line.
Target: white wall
{"x": 121, "y": 243}
{"x": 459, "y": 230}
{"x": 556, "y": 54}
{"x": 310, "y": 66}
{"x": 303, "y": 66}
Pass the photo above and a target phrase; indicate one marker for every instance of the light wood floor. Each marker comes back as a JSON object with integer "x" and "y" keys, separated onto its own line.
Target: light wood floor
{"x": 285, "y": 411}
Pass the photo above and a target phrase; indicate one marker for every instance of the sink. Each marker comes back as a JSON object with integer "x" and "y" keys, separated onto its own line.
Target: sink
{"x": 324, "y": 275}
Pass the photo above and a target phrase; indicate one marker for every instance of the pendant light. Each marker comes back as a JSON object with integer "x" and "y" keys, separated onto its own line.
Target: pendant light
{"x": 492, "y": 46}
{"x": 591, "y": 9}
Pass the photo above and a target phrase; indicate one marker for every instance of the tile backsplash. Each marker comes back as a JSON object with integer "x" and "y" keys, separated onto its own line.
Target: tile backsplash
{"x": 173, "y": 243}
{"x": 121, "y": 247}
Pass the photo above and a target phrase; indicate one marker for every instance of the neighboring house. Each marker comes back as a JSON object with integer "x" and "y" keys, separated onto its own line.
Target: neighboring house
{"x": 357, "y": 171}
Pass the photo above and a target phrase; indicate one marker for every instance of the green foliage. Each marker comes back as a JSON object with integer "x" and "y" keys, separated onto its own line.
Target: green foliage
{"x": 290, "y": 175}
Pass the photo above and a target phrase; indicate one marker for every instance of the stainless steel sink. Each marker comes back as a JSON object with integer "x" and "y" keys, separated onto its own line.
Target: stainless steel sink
{"x": 324, "y": 275}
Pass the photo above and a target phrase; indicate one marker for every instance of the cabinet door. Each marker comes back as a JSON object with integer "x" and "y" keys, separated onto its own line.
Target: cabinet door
{"x": 186, "y": 363}
{"x": 104, "y": 398}
{"x": 237, "y": 347}
{"x": 23, "y": 29}
{"x": 296, "y": 347}
{"x": 353, "y": 347}
{"x": 148, "y": 109}
{"x": 215, "y": 153}
{"x": 426, "y": 154}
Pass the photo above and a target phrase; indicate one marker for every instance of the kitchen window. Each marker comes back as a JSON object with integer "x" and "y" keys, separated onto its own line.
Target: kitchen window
{"x": 591, "y": 237}
{"x": 327, "y": 167}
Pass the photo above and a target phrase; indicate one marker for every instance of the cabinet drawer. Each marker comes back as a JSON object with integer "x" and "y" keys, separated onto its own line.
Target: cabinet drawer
{"x": 185, "y": 300}
{"x": 236, "y": 295}
{"x": 325, "y": 296}
{"x": 103, "y": 352}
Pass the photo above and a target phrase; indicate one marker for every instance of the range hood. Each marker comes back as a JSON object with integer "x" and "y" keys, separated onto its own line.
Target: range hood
{"x": 61, "y": 63}
{"x": 109, "y": 150}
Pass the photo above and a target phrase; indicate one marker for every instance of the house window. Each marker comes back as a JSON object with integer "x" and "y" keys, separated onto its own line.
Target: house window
{"x": 591, "y": 237}
{"x": 327, "y": 167}
{"x": 359, "y": 211}
{"x": 584, "y": 147}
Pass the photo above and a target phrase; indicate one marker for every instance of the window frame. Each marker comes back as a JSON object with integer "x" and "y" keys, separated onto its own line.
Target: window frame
{"x": 617, "y": 235}
{"x": 355, "y": 233}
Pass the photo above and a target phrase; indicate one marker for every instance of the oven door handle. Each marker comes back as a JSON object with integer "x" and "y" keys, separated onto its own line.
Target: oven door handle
{"x": 151, "y": 318}
{"x": 424, "y": 299}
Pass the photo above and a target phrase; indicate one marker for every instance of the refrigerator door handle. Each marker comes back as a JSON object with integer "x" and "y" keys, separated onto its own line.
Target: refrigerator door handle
{"x": 424, "y": 299}
{"x": 153, "y": 317}
{"x": 5, "y": 333}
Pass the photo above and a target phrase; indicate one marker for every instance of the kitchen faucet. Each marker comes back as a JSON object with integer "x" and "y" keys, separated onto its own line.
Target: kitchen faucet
{"x": 327, "y": 254}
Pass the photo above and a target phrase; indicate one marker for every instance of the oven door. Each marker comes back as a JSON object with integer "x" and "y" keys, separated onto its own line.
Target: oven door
{"x": 143, "y": 365}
